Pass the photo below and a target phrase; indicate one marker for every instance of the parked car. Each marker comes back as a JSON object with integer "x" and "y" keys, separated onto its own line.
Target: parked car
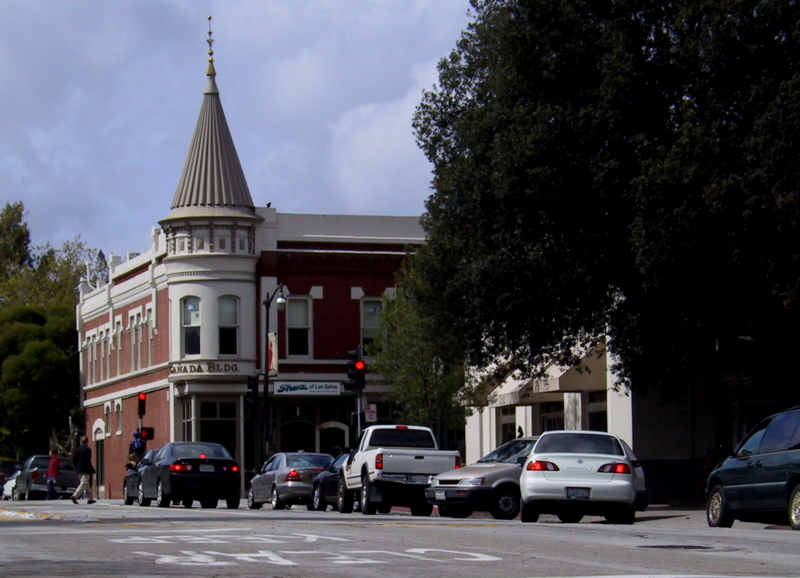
{"x": 133, "y": 480}
{"x": 761, "y": 479}
{"x": 8, "y": 468}
{"x": 31, "y": 483}
{"x": 325, "y": 486}
{"x": 286, "y": 479}
{"x": 9, "y": 486}
{"x": 188, "y": 471}
{"x": 576, "y": 473}
{"x": 490, "y": 484}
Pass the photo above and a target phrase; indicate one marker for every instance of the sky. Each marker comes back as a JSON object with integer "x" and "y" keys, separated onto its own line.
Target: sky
{"x": 100, "y": 98}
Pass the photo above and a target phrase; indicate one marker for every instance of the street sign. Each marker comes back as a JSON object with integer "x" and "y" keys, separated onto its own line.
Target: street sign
{"x": 370, "y": 413}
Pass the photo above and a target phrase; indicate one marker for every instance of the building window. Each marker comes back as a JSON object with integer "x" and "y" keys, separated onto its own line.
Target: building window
{"x": 552, "y": 415}
{"x": 228, "y": 326}
{"x": 149, "y": 337}
{"x": 370, "y": 316}
{"x": 190, "y": 321}
{"x": 298, "y": 327}
{"x": 118, "y": 354}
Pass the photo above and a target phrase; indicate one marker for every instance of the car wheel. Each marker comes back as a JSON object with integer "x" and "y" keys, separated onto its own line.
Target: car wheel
{"x": 251, "y": 500}
{"x": 15, "y": 495}
{"x": 422, "y": 508}
{"x": 368, "y": 507}
{"x": 187, "y": 503}
{"x": 622, "y": 514}
{"x": 142, "y": 500}
{"x": 209, "y": 504}
{"x": 344, "y": 497}
{"x": 126, "y": 499}
{"x": 794, "y": 509}
{"x": 529, "y": 513}
{"x": 317, "y": 500}
{"x": 277, "y": 503}
{"x": 232, "y": 502}
{"x": 162, "y": 499}
{"x": 459, "y": 511}
{"x": 505, "y": 503}
{"x": 717, "y": 513}
{"x": 569, "y": 516}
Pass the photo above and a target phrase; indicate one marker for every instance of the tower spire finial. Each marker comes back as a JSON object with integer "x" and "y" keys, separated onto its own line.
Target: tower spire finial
{"x": 211, "y": 71}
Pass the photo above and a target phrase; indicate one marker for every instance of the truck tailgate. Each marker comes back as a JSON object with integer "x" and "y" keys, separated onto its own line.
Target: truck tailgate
{"x": 428, "y": 462}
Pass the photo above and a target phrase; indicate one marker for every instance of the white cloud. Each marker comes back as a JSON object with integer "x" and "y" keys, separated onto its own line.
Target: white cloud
{"x": 100, "y": 99}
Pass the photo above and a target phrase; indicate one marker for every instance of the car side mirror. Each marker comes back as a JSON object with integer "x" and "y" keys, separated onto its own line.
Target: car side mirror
{"x": 521, "y": 460}
{"x": 145, "y": 462}
{"x": 636, "y": 464}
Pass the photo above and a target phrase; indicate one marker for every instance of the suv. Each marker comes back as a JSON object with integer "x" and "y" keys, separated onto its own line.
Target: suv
{"x": 32, "y": 479}
{"x": 761, "y": 479}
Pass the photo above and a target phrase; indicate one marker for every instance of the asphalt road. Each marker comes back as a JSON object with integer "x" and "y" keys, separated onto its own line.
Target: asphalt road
{"x": 110, "y": 539}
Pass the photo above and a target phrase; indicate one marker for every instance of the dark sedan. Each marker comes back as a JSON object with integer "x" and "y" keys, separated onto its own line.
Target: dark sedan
{"x": 326, "y": 485}
{"x": 133, "y": 480}
{"x": 187, "y": 471}
{"x": 286, "y": 479}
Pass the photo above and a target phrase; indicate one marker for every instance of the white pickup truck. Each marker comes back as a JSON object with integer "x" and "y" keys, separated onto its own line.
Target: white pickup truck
{"x": 391, "y": 466}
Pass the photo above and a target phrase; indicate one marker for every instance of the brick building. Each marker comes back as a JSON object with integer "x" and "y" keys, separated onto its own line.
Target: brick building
{"x": 185, "y": 322}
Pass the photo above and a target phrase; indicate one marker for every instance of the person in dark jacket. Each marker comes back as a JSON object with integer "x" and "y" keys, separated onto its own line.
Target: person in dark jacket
{"x": 83, "y": 466}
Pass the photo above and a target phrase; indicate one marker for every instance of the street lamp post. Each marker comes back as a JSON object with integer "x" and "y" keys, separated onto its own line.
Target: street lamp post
{"x": 280, "y": 303}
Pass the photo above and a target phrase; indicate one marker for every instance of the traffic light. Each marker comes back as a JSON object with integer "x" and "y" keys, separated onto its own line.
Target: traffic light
{"x": 356, "y": 371}
{"x": 142, "y": 404}
{"x": 252, "y": 390}
{"x": 147, "y": 433}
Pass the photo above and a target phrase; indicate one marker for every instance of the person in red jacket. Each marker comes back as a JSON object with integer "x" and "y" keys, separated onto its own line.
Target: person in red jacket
{"x": 53, "y": 471}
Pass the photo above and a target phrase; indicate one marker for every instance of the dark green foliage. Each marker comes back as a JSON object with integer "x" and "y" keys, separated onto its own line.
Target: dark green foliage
{"x": 622, "y": 169}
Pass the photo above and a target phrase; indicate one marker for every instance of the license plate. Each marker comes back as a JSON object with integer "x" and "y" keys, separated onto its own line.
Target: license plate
{"x": 206, "y": 468}
{"x": 578, "y": 493}
{"x": 439, "y": 496}
{"x": 418, "y": 479}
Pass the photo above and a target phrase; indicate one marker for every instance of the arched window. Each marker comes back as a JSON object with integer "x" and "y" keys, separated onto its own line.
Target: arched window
{"x": 190, "y": 323}
{"x": 228, "y": 325}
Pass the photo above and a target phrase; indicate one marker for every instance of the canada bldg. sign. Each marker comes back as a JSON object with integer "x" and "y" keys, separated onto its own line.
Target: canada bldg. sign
{"x": 201, "y": 368}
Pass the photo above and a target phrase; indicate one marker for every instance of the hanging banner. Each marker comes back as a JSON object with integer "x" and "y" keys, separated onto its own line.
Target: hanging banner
{"x": 272, "y": 355}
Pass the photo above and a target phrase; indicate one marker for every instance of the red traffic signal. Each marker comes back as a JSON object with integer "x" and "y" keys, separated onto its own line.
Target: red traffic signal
{"x": 142, "y": 404}
{"x": 360, "y": 365}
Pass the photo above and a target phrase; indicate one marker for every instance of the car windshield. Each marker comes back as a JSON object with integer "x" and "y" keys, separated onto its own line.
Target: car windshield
{"x": 320, "y": 461}
{"x": 509, "y": 452}
{"x": 200, "y": 450}
{"x": 579, "y": 443}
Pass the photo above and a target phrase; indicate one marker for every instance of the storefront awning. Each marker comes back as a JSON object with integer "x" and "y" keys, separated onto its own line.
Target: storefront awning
{"x": 589, "y": 376}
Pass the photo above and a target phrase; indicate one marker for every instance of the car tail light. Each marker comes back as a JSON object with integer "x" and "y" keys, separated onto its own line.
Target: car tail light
{"x": 458, "y": 462}
{"x": 34, "y": 475}
{"x": 293, "y": 476}
{"x": 541, "y": 466}
{"x": 401, "y": 427}
{"x": 379, "y": 462}
{"x": 180, "y": 468}
{"x": 615, "y": 469}
{"x": 230, "y": 468}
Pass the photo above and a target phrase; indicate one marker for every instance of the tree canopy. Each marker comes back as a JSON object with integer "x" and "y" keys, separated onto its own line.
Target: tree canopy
{"x": 622, "y": 171}
{"x": 426, "y": 374}
{"x": 39, "y": 374}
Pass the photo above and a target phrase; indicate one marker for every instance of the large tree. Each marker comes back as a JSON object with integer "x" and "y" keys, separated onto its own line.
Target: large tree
{"x": 622, "y": 170}
{"x": 425, "y": 372}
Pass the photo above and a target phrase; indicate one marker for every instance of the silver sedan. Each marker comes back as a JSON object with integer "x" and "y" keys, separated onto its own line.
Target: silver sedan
{"x": 286, "y": 479}
{"x": 577, "y": 473}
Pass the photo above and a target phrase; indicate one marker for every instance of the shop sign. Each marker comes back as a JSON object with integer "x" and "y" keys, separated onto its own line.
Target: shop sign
{"x": 200, "y": 368}
{"x": 306, "y": 388}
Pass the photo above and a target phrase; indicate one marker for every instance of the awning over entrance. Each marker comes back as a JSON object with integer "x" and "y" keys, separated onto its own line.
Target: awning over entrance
{"x": 590, "y": 375}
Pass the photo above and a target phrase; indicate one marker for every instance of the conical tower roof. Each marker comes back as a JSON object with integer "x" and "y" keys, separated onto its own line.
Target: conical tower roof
{"x": 212, "y": 182}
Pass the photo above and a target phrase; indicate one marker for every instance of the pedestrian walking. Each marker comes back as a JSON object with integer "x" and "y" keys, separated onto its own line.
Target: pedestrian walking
{"x": 85, "y": 470}
{"x": 53, "y": 471}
